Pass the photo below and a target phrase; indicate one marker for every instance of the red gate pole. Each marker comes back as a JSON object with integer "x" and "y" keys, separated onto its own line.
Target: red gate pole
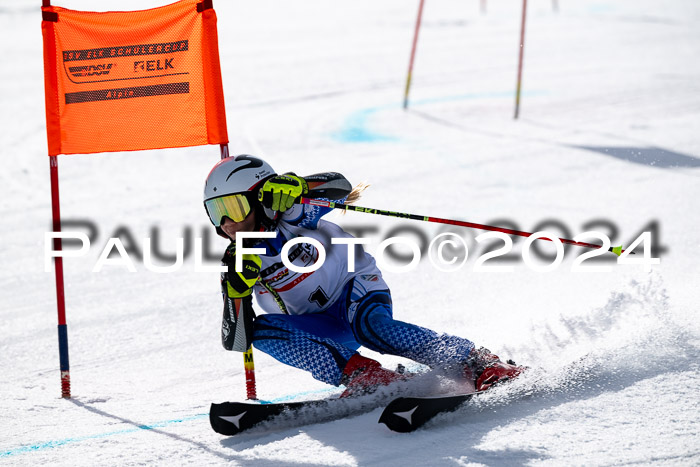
{"x": 224, "y": 150}
{"x": 413, "y": 55}
{"x": 58, "y": 267}
{"x": 520, "y": 61}
{"x": 60, "y": 295}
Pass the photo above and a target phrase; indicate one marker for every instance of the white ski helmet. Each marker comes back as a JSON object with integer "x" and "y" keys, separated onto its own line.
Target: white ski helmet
{"x": 232, "y": 185}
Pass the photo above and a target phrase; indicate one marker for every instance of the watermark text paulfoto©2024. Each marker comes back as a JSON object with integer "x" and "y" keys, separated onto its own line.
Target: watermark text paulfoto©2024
{"x": 447, "y": 252}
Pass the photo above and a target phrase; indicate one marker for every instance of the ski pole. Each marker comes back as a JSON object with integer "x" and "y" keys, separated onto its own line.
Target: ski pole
{"x": 413, "y": 56}
{"x": 520, "y": 61}
{"x": 348, "y": 207}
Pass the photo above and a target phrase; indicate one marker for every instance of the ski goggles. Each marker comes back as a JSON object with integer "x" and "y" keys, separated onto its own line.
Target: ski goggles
{"x": 235, "y": 207}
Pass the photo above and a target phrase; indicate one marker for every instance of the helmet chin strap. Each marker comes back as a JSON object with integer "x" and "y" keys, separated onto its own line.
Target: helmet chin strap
{"x": 220, "y": 232}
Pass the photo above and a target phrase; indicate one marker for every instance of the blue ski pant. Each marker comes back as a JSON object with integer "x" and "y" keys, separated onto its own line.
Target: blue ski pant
{"x": 322, "y": 343}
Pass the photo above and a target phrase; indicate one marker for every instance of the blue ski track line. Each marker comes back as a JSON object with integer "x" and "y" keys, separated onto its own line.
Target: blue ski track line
{"x": 62, "y": 442}
{"x": 355, "y": 129}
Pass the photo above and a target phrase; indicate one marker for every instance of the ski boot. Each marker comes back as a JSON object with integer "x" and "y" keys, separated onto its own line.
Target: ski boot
{"x": 486, "y": 369}
{"x": 363, "y": 375}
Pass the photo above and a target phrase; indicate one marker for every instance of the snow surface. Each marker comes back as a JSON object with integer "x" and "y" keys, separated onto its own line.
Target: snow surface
{"x": 609, "y": 129}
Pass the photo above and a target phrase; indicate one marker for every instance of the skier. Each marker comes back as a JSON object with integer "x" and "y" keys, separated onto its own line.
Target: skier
{"x": 317, "y": 320}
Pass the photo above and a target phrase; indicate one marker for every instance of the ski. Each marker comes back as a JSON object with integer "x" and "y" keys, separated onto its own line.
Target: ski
{"x": 231, "y": 418}
{"x": 406, "y": 414}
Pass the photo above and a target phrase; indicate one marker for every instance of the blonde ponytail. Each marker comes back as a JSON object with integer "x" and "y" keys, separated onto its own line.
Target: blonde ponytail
{"x": 356, "y": 193}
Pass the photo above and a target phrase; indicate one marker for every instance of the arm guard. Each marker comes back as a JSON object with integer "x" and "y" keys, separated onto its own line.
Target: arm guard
{"x": 237, "y": 322}
{"x": 331, "y": 186}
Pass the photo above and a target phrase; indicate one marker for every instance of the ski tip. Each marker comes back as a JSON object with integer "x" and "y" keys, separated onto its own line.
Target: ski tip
{"x": 398, "y": 416}
{"x": 218, "y": 424}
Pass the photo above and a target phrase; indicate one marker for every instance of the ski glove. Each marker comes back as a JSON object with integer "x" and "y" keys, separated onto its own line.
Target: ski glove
{"x": 280, "y": 192}
{"x": 240, "y": 284}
